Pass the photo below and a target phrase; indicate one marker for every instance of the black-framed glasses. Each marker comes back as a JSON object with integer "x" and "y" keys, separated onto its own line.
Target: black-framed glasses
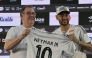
{"x": 30, "y": 13}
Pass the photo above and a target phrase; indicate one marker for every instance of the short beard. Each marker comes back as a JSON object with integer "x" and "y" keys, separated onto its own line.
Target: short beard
{"x": 64, "y": 24}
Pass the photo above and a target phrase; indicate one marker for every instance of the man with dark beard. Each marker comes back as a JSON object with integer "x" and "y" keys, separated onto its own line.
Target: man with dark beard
{"x": 76, "y": 33}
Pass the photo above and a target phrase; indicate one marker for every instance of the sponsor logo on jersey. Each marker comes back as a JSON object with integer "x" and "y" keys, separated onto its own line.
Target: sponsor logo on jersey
{"x": 71, "y": 31}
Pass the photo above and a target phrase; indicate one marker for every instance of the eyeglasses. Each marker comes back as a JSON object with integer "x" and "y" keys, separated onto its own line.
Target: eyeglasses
{"x": 30, "y": 13}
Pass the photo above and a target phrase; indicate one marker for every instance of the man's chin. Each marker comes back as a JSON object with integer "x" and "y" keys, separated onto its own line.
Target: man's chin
{"x": 64, "y": 24}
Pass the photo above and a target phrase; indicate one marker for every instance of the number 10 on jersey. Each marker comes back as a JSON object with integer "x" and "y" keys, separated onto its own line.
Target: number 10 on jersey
{"x": 43, "y": 51}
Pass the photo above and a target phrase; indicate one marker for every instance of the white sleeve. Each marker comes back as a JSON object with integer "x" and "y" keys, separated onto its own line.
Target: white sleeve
{"x": 83, "y": 35}
{"x": 11, "y": 34}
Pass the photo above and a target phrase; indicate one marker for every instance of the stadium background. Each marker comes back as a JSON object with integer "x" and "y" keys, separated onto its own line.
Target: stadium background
{"x": 81, "y": 13}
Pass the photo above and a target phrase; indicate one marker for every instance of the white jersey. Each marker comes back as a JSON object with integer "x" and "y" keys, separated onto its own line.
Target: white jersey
{"x": 46, "y": 45}
{"x": 79, "y": 32}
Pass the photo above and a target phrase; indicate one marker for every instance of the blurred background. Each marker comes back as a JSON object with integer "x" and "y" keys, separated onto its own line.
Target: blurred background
{"x": 81, "y": 14}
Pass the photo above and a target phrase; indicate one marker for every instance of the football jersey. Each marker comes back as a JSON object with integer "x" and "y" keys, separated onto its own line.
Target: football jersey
{"x": 48, "y": 45}
{"x": 79, "y": 32}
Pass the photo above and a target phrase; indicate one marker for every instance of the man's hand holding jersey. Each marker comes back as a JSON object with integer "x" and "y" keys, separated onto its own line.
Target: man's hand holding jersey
{"x": 25, "y": 33}
{"x": 86, "y": 46}
{"x": 12, "y": 42}
{"x": 73, "y": 38}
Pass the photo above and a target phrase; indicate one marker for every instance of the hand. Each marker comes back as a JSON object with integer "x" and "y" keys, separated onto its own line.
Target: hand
{"x": 25, "y": 32}
{"x": 73, "y": 38}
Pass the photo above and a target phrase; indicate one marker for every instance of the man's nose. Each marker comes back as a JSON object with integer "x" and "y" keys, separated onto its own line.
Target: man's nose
{"x": 64, "y": 17}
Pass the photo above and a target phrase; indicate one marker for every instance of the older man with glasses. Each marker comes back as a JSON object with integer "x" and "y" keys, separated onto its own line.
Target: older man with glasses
{"x": 14, "y": 39}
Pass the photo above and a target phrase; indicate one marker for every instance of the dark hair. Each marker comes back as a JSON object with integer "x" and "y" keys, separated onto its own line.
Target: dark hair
{"x": 24, "y": 7}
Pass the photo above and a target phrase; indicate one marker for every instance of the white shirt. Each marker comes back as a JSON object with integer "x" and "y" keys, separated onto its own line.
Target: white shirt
{"x": 20, "y": 50}
{"x": 79, "y": 32}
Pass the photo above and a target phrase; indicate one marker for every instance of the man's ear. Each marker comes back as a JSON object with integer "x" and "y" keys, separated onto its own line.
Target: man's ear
{"x": 69, "y": 17}
{"x": 20, "y": 15}
{"x": 57, "y": 17}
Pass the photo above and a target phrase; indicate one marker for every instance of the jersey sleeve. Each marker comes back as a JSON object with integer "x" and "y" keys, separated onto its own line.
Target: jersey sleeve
{"x": 83, "y": 35}
{"x": 10, "y": 34}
